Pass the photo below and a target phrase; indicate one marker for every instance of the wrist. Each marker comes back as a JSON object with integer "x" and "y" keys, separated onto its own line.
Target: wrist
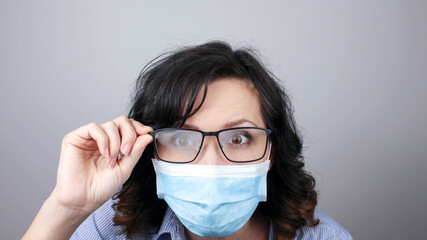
{"x": 71, "y": 213}
{"x": 55, "y": 221}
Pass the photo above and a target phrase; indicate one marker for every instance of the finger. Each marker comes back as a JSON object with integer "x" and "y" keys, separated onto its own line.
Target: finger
{"x": 127, "y": 133}
{"x": 112, "y": 132}
{"x": 128, "y": 163}
{"x": 140, "y": 128}
{"x": 93, "y": 131}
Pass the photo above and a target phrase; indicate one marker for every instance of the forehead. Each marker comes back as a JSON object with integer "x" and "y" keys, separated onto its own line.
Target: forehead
{"x": 227, "y": 100}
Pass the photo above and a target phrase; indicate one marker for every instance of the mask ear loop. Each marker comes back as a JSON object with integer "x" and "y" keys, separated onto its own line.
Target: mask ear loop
{"x": 269, "y": 151}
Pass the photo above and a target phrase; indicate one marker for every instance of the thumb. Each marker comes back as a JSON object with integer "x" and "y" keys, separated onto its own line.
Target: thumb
{"x": 127, "y": 163}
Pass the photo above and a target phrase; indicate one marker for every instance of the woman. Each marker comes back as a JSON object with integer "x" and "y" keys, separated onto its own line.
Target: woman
{"x": 225, "y": 154}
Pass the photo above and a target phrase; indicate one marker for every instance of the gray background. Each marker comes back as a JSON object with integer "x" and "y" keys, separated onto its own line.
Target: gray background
{"x": 356, "y": 72}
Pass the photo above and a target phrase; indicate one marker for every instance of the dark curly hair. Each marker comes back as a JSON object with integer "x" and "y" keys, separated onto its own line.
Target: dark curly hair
{"x": 165, "y": 96}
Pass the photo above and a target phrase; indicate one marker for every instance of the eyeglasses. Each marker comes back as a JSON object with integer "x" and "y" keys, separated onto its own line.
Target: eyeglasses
{"x": 241, "y": 144}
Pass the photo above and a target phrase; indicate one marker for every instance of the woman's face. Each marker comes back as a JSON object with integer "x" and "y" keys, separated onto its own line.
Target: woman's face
{"x": 230, "y": 102}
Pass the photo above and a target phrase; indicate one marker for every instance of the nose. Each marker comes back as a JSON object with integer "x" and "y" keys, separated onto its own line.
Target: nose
{"x": 210, "y": 153}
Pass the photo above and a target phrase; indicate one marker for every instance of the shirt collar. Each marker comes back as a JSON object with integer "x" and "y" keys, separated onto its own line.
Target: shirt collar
{"x": 171, "y": 226}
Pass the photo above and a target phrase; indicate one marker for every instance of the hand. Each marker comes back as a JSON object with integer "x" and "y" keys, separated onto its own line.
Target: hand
{"x": 89, "y": 172}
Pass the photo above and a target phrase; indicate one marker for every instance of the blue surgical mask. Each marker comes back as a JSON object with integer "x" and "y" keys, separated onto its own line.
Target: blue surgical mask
{"x": 212, "y": 200}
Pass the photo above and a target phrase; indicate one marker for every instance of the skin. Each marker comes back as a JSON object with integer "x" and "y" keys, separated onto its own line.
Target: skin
{"x": 89, "y": 173}
{"x": 230, "y": 102}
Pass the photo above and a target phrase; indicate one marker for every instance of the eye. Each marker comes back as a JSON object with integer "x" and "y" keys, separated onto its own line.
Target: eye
{"x": 239, "y": 139}
{"x": 182, "y": 140}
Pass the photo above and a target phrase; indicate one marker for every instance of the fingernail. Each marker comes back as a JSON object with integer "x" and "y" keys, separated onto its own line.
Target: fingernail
{"x": 106, "y": 152}
{"x": 149, "y": 129}
{"x": 126, "y": 149}
{"x": 112, "y": 162}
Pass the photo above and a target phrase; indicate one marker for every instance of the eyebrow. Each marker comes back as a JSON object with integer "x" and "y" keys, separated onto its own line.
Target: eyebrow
{"x": 227, "y": 125}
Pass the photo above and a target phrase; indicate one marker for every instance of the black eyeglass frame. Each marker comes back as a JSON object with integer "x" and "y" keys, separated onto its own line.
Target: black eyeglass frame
{"x": 204, "y": 134}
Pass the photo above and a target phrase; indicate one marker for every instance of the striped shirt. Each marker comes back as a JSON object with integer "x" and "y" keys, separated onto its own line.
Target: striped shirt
{"x": 99, "y": 226}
